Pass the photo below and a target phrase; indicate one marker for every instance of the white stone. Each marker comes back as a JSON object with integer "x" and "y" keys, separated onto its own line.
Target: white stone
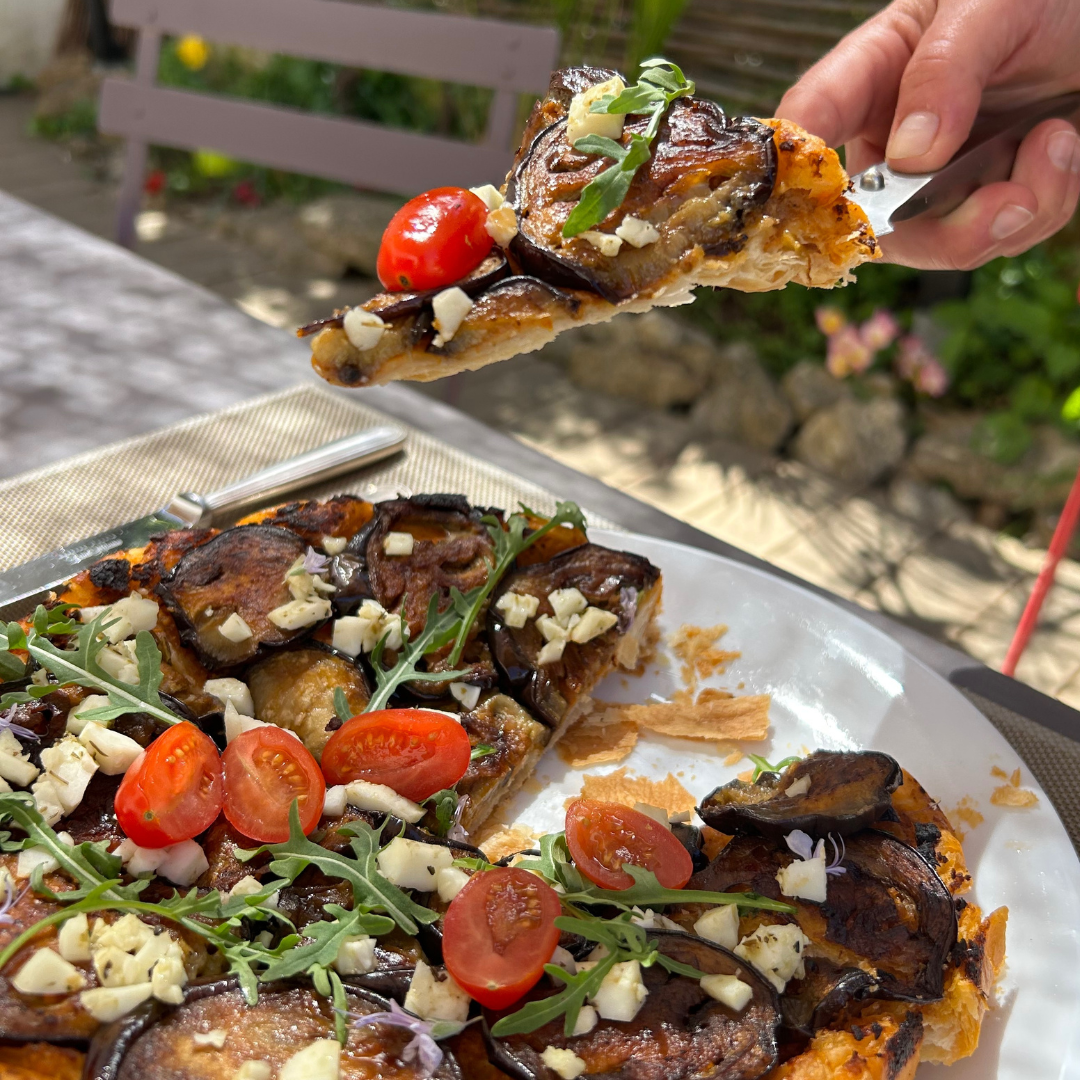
{"x": 364, "y": 329}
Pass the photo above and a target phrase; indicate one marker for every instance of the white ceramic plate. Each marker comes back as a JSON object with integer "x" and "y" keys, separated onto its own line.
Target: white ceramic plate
{"x": 838, "y": 683}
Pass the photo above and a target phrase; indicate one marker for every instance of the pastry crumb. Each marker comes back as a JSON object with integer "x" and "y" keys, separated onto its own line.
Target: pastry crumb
{"x": 506, "y": 840}
{"x": 696, "y": 647}
{"x": 619, "y": 787}
{"x": 712, "y": 716}
{"x": 1016, "y": 797}
{"x": 601, "y": 736}
{"x": 966, "y": 813}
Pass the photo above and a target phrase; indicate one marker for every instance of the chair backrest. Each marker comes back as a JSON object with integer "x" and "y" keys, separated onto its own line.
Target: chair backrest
{"x": 507, "y": 57}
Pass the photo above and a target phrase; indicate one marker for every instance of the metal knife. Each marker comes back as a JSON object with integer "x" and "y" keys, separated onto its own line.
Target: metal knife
{"x": 22, "y": 585}
{"x": 987, "y": 157}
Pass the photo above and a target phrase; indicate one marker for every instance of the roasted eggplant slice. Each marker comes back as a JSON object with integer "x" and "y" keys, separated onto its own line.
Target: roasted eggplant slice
{"x": 294, "y": 688}
{"x": 314, "y": 519}
{"x": 680, "y": 1031}
{"x": 819, "y": 999}
{"x": 837, "y": 792}
{"x": 157, "y": 1043}
{"x": 889, "y": 907}
{"x": 242, "y": 571}
{"x": 619, "y": 582}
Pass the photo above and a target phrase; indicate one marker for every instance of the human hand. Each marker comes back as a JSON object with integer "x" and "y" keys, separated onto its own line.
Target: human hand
{"x": 907, "y": 85}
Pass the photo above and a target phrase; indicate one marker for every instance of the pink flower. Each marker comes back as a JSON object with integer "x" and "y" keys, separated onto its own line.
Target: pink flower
{"x": 931, "y": 379}
{"x": 920, "y": 367}
{"x": 830, "y": 320}
{"x": 880, "y": 330}
{"x": 847, "y": 353}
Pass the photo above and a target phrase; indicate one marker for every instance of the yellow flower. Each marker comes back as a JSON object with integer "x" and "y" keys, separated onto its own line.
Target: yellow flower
{"x": 193, "y": 51}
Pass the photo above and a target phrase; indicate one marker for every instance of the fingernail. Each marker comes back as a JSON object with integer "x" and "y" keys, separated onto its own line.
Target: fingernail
{"x": 914, "y": 136}
{"x": 1010, "y": 219}
{"x": 1064, "y": 150}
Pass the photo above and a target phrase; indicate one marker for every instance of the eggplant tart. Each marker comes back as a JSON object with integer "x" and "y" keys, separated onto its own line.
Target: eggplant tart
{"x": 224, "y": 856}
{"x": 706, "y": 199}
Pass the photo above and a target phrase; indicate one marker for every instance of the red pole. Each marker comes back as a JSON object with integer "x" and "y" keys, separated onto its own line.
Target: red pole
{"x": 1063, "y": 532}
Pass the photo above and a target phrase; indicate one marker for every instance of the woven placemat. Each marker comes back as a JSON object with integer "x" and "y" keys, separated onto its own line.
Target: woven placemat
{"x": 59, "y": 503}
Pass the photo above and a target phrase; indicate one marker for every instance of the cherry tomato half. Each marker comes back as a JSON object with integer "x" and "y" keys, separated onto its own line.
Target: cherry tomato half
{"x": 266, "y": 769}
{"x": 434, "y": 240}
{"x": 414, "y": 751}
{"x": 172, "y": 790}
{"x": 498, "y": 934}
{"x": 603, "y": 836}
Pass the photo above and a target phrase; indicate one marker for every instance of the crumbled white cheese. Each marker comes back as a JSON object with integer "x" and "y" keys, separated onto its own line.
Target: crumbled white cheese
{"x": 411, "y": 864}
{"x": 383, "y": 800}
{"x": 120, "y": 662}
{"x": 108, "y": 1003}
{"x": 168, "y": 979}
{"x": 729, "y": 990}
{"x": 112, "y": 751}
{"x": 364, "y": 329}
{"x": 608, "y": 244}
{"x": 47, "y": 972}
{"x": 550, "y": 653}
{"x": 563, "y": 1062}
{"x": 73, "y": 939}
{"x": 657, "y": 813}
{"x": 637, "y": 233}
{"x": 237, "y": 724}
{"x": 47, "y": 800}
{"x": 587, "y": 1019}
{"x": 298, "y": 614}
{"x": 581, "y": 122}
{"x": 321, "y": 1060}
{"x": 70, "y": 767}
{"x": 622, "y": 993}
{"x": 398, "y": 543}
{"x": 593, "y": 622}
{"x": 254, "y": 1070}
{"x": 356, "y": 955}
{"x": 184, "y": 863}
{"x": 129, "y": 616}
{"x": 567, "y": 602}
{"x": 234, "y": 629}
{"x": 361, "y": 632}
{"x": 434, "y": 999}
{"x": 334, "y": 545}
{"x": 720, "y": 925}
{"x": 564, "y": 958}
{"x": 15, "y": 764}
{"x": 129, "y": 933}
{"x": 466, "y": 694}
{"x": 231, "y": 690}
{"x": 248, "y": 885}
{"x": 89, "y": 614}
{"x": 450, "y": 308}
{"x": 797, "y": 787}
{"x": 40, "y": 677}
{"x": 215, "y": 1038}
{"x": 501, "y": 225}
{"x": 517, "y": 608}
{"x": 31, "y": 858}
{"x": 776, "y": 951}
{"x": 550, "y": 630}
{"x": 489, "y": 195}
{"x": 76, "y": 719}
{"x": 805, "y": 879}
{"x": 349, "y": 634}
{"x": 449, "y": 881}
{"x": 653, "y": 920}
{"x": 337, "y": 798}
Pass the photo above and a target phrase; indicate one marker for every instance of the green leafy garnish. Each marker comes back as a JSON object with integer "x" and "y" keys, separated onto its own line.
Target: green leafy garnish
{"x": 661, "y": 83}
{"x": 80, "y": 665}
{"x": 444, "y": 804}
{"x": 342, "y": 708}
{"x": 762, "y": 766}
{"x": 481, "y": 750}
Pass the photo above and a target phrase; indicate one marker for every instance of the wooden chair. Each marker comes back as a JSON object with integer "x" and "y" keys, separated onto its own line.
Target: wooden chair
{"x": 507, "y": 57}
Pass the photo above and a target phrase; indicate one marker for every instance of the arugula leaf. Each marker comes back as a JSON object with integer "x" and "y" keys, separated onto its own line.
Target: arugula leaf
{"x": 481, "y": 750}
{"x": 11, "y": 667}
{"x": 342, "y": 708}
{"x": 661, "y": 83}
{"x": 326, "y": 941}
{"x": 369, "y": 888}
{"x": 444, "y": 804}
{"x": 762, "y": 766}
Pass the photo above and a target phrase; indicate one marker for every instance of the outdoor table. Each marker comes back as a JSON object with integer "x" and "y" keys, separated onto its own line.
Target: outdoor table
{"x": 99, "y": 345}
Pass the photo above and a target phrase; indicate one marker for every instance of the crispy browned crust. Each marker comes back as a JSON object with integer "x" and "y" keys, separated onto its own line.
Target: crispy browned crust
{"x": 808, "y": 232}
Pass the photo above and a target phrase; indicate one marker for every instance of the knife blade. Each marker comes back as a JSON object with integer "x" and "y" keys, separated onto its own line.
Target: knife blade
{"x": 987, "y": 157}
{"x": 23, "y": 585}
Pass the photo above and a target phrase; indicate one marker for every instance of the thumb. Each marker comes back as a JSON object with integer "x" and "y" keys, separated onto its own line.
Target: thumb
{"x": 942, "y": 85}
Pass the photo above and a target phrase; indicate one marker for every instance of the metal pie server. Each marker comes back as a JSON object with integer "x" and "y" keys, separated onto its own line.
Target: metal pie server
{"x": 986, "y": 158}
{"x": 24, "y": 584}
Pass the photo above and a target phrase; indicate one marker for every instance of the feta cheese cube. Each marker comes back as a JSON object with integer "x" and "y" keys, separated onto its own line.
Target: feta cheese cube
{"x": 76, "y": 718}
{"x": 383, "y": 800}
{"x": 129, "y": 934}
{"x": 587, "y": 1019}
{"x": 729, "y": 990}
{"x": 234, "y": 629}
{"x": 356, "y": 956}
{"x": 297, "y": 614}
{"x": 184, "y": 863}
{"x": 720, "y": 925}
{"x": 501, "y": 225}
{"x": 70, "y": 767}
{"x": 47, "y": 972}
{"x": 567, "y": 602}
{"x": 168, "y": 979}
{"x": 140, "y": 860}
{"x": 214, "y": 1038}
{"x": 435, "y": 999}
{"x": 466, "y": 694}
{"x": 550, "y": 653}
{"x": 594, "y": 622}
{"x": 398, "y": 543}
{"x": 637, "y": 233}
{"x": 551, "y": 630}
{"x": 622, "y": 993}
{"x": 113, "y": 751}
{"x": 254, "y": 1070}
{"x": 563, "y": 1062}
{"x": 450, "y": 308}
{"x": 350, "y": 633}
{"x": 653, "y": 920}
{"x": 565, "y": 959}
{"x": 15, "y": 764}
{"x": 805, "y": 879}
{"x": 657, "y": 813}
{"x": 797, "y": 787}
{"x": 449, "y": 881}
{"x": 106, "y": 1004}
{"x": 337, "y": 798}
{"x": 47, "y": 800}
{"x": 73, "y": 940}
{"x": 334, "y": 545}
{"x": 489, "y": 195}
{"x": 119, "y": 662}
{"x": 776, "y": 952}
{"x": 608, "y": 244}
{"x": 321, "y": 1060}
{"x": 411, "y": 864}
{"x": 580, "y": 121}
{"x": 517, "y": 608}
{"x": 231, "y": 690}
{"x": 364, "y": 329}
{"x": 129, "y": 616}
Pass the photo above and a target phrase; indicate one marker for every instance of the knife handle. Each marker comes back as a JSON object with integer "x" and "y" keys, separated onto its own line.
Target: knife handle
{"x": 313, "y": 467}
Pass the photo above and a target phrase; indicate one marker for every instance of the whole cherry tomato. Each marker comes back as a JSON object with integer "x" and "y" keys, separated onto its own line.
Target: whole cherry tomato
{"x": 172, "y": 790}
{"x": 434, "y": 240}
{"x": 414, "y": 751}
{"x": 603, "y": 836}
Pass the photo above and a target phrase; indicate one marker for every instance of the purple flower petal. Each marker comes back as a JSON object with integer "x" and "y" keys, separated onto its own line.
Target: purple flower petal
{"x": 315, "y": 562}
{"x": 801, "y": 844}
{"x": 422, "y": 1048}
{"x": 7, "y": 720}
